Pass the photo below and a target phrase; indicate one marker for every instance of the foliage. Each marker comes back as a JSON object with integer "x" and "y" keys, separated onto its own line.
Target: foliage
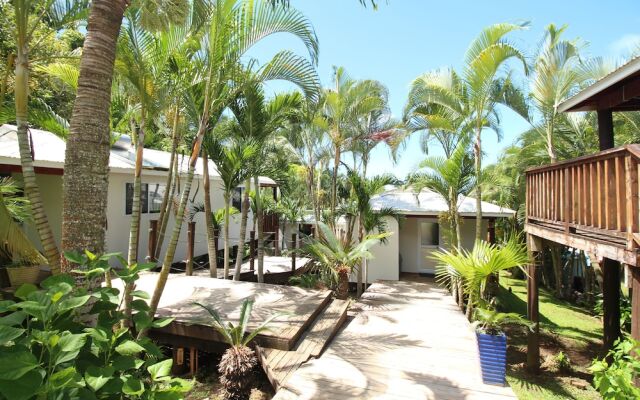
{"x": 238, "y": 362}
{"x": 563, "y": 362}
{"x": 491, "y": 321}
{"x": 625, "y": 310}
{"x": 615, "y": 379}
{"x": 65, "y": 341}
{"x": 307, "y": 281}
{"x": 14, "y": 244}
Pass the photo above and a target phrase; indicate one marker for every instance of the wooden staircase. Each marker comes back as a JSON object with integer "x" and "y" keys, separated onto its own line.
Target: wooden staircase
{"x": 280, "y": 364}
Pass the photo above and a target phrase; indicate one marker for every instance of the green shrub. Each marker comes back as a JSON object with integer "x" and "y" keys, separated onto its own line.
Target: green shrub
{"x": 563, "y": 362}
{"x": 62, "y": 341}
{"x": 615, "y": 380}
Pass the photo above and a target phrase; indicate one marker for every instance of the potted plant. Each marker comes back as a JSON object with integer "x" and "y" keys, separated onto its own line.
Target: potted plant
{"x": 492, "y": 342}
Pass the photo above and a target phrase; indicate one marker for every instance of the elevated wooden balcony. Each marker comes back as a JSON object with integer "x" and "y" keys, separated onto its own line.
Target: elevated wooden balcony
{"x": 588, "y": 203}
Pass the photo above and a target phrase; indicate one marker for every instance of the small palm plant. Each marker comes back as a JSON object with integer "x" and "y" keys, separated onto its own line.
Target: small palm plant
{"x": 238, "y": 362}
{"x": 476, "y": 267}
{"x": 491, "y": 321}
{"x": 340, "y": 258}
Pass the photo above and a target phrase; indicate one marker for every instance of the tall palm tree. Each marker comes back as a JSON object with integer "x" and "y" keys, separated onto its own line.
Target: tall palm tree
{"x": 556, "y": 75}
{"x": 233, "y": 162}
{"x": 344, "y": 105}
{"x": 233, "y": 27}
{"x": 473, "y": 96}
{"x": 59, "y": 15}
{"x": 87, "y": 150}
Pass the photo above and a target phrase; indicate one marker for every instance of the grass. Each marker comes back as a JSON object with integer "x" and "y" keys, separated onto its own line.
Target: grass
{"x": 563, "y": 327}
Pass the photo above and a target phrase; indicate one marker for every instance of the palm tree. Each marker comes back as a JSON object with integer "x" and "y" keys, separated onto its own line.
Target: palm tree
{"x": 344, "y": 105}
{"x": 233, "y": 162}
{"x": 239, "y": 360}
{"x": 232, "y": 28}
{"x": 341, "y": 258}
{"x": 475, "y": 268}
{"x": 473, "y": 96}
{"x": 58, "y": 15}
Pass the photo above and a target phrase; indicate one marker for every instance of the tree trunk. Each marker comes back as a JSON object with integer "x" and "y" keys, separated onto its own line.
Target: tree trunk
{"x": 168, "y": 193}
{"x": 342, "y": 291}
{"x": 31, "y": 188}
{"x": 227, "y": 199}
{"x": 244, "y": 215}
{"x": 334, "y": 184}
{"x": 208, "y": 215}
{"x": 136, "y": 206}
{"x": 556, "y": 261}
{"x": 477, "y": 149}
{"x": 86, "y": 167}
{"x": 360, "y": 268}
{"x": 260, "y": 218}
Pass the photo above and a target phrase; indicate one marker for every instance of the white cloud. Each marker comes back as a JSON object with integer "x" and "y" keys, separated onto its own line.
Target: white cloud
{"x": 624, "y": 45}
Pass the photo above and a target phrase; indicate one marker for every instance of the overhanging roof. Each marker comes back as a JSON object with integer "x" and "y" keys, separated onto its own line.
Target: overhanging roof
{"x": 617, "y": 91}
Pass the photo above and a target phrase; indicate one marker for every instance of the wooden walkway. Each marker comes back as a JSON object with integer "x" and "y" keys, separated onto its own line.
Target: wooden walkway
{"x": 408, "y": 341}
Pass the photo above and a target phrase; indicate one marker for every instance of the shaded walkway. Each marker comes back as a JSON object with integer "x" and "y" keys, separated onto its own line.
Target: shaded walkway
{"x": 408, "y": 341}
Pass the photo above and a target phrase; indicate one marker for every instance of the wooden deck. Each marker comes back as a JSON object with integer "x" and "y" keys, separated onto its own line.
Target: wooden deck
{"x": 192, "y": 324}
{"x": 273, "y": 266}
{"x": 408, "y": 341}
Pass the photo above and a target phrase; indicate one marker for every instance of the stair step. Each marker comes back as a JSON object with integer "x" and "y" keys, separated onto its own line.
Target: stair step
{"x": 280, "y": 364}
{"x": 323, "y": 329}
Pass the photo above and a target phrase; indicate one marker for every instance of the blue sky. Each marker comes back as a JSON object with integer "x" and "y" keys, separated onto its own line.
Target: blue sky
{"x": 405, "y": 38}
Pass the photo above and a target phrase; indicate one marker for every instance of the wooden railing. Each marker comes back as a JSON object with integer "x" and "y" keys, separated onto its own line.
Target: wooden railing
{"x": 596, "y": 193}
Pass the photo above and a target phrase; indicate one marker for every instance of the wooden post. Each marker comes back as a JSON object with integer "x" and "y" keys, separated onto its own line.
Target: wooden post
{"x": 635, "y": 303}
{"x": 533, "y": 314}
{"x": 252, "y": 249}
{"x": 611, "y": 303}
{"x": 293, "y": 252}
{"x": 153, "y": 240}
{"x": 216, "y": 234}
{"x": 193, "y": 361}
{"x": 191, "y": 233}
{"x": 605, "y": 129}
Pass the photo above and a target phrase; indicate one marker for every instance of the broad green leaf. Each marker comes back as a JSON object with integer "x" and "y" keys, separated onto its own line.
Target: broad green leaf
{"x": 161, "y": 369}
{"x": 13, "y": 319}
{"x": 5, "y": 304}
{"x": 74, "y": 257}
{"x": 55, "y": 280}
{"x": 72, "y": 303}
{"x": 132, "y": 386}
{"x": 129, "y": 348}
{"x": 139, "y": 305}
{"x": 72, "y": 342}
{"x": 142, "y": 320}
{"x": 140, "y": 294}
{"x": 65, "y": 378}
{"x": 98, "y": 334}
{"x": 9, "y": 333}
{"x": 161, "y": 322}
{"x": 97, "y": 377}
{"x": 22, "y": 388}
{"x": 15, "y": 362}
{"x": 25, "y": 290}
{"x": 124, "y": 363}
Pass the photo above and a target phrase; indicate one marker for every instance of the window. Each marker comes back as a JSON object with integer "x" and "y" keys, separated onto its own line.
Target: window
{"x": 429, "y": 234}
{"x": 236, "y": 198}
{"x": 156, "y": 195}
{"x": 149, "y": 202}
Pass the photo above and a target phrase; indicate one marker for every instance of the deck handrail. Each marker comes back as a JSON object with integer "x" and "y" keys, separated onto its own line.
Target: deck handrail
{"x": 597, "y": 193}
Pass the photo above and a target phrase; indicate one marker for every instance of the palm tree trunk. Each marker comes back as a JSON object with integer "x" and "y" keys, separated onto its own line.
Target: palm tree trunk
{"x": 227, "y": 199}
{"x": 175, "y": 235}
{"x": 243, "y": 230}
{"x": 361, "y": 267}
{"x": 31, "y": 188}
{"x": 342, "y": 291}
{"x": 334, "y": 183}
{"x": 550, "y": 147}
{"x": 165, "y": 208}
{"x": 211, "y": 238}
{"x": 86, "y": 168}
{"x": 134, "y": 231}
{"x": 477, "y": 149}
{"x": 260, "y": 218}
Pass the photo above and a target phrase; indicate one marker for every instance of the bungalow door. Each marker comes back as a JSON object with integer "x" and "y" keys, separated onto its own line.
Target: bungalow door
{"x": 428, "y": 242}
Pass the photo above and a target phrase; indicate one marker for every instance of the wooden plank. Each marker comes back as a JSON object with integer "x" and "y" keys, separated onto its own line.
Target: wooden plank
{"x": 610, "y": 194}
{"x": 593, "y": 194}
{"x": 586, "y": 194}
{"x": 600, "y": 193}
{"x": 631, "y": 194}
{"x": 620, "y": 195}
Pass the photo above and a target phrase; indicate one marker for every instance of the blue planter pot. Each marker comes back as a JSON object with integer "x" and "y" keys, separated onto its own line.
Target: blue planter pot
{"x": 493, "y": 357}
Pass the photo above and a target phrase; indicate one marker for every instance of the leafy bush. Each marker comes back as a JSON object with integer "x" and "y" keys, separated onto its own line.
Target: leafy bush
{"x": 491, "y": 321}
{"x": 563, "y": 362}
{"x": 66, "y": 342}
{"x": 615, "y": 380}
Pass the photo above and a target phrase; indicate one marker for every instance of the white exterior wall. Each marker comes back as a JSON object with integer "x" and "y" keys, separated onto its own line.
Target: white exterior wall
{"x": 117, "y": 234}
{"x": 385, "y": 263}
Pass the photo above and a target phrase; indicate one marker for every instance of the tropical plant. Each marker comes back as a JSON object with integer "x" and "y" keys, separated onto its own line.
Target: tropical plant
{"x": 60, "y": 341}
{"x": 340, "y": 258}
{"x": 59, "y": 14}
{"x": 239, "y": 361}
{"x": 17, "y": 205}
{"x": 615, "y": 379}
{"x": 492, "y": 322}
{"x": 308, "y": 281}
{"x": 476, "y": 267}
{"x": 14, "y": 244}
{"x": 232, "y": 28}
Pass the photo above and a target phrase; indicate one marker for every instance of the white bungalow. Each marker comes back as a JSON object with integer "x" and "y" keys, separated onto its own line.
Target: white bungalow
{"x": 419, "y": 232}
{"x": 49, "y": 152}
